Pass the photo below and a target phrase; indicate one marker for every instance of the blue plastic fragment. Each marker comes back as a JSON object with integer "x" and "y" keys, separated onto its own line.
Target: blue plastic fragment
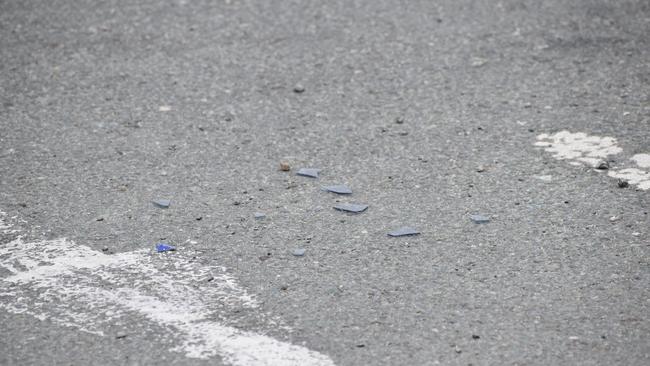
{"x": 259, "y": 215}
{"x": 299, "y": 252}
{"x": 339, "y": 188}
{"x": 351, "y": 207}
{"x": 479, "y": 219}
{"x": 404, "y": 231}
{"x": 162, "y": 247}
{"x": 308, "y": 172}
{"x": 162, "y": 203}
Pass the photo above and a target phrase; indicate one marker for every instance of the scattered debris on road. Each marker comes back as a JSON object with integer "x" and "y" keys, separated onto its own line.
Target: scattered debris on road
{"x": 162, "y": 247}
{"x": 299, "y": 252}
{"x": 308, "y": 172}
{"x": 351, "y": 207}
{"x": 162, "y": 203}
{"x": 340, "y": 189}
{"x": 404, "y": 231}
{"x": 479, "y": 219}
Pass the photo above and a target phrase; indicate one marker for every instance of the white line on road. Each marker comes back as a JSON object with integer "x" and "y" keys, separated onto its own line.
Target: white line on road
{"x": 73, "y": 285}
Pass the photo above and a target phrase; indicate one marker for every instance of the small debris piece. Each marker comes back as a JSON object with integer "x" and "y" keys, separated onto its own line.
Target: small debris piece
{"x": 299, "y": 252}
{"x": 351, "y": 207}
{"x": 404, "y": 231}
{"x": 120, "y": 335}
{"x": 162, "y": 247}
{"x": 403, "y": 133}
{"x": 264, "y": 257}
{"x": 99, "y": 219}
{"x": 105, "y": 249}
{"x": 298, "y": 88}
{"x": 399, "y": 120}
{"x": 623, "y": 183}
{"x": 164, "y": 108}
{"x": 162, "y": 203}
{"x": 308, "y": 172}
{"x": 259, "y": 215}
{"x": 285, "y": 167}
{"x": 479, "y": 219}
{"x": 475, "y": 336}
{"x": 602, "y": 165}
{"x": 478, "y": 62}
{"x": 361, "y": 345}
{"x": 340, "y": 189}
{"x": 481, "y": 169}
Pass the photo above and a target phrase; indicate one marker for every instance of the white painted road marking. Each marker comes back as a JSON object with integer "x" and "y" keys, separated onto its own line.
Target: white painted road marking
{"x": 73, "y": 285}
{"x": 582, "y": 149}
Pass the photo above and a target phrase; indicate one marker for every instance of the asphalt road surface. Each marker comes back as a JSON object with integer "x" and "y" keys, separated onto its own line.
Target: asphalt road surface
{"x": 429, "y": 111}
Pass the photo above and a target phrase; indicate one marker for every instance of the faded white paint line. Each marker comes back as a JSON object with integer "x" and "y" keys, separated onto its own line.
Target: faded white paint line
{"x": 6, "y": 227}
{"x": 581, "y": 149}
{"x": 73, "y": 285}
{"x": 578, "y": 147}
{"x": 642, "y": 160}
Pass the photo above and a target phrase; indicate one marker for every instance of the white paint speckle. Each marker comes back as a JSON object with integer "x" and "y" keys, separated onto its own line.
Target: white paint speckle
{"x": 639, "y": 177}
{"x": 164, "y": 108}
{"x": 74, "y": 285}
{"x": 580, "y": 148}
{"x": 642, "y": 160}
{"x": 545, "y": 178}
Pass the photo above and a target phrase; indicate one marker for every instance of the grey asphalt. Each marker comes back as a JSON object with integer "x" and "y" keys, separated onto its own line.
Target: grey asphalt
{"x": 550, "y": 280}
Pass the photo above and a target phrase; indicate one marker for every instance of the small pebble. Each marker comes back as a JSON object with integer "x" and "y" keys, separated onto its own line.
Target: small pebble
{"x": 602, "y": 165}
{"x": 299, "y": 252}
{"x": 120, "y": 335}
{"x": 399, "y": 120}
{"x": 285, "y": 167}
{"x": 298, "y": 88}
{"x": 259, "y": 215}
{"x": 623, "y": 183}
{"x": 479, "y": 219}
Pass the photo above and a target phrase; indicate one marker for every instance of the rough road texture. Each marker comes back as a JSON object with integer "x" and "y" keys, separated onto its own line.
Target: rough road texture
{"x": 107, "y": 105}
